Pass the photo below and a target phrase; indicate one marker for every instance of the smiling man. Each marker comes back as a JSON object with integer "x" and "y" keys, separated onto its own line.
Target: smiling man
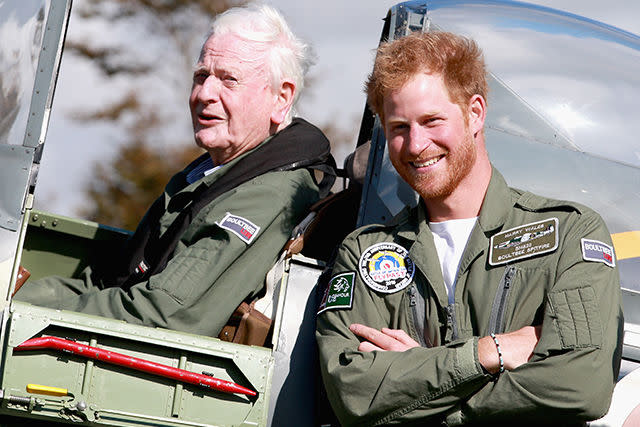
{"x": 483, "y": 304}
{"x": 206, "y": 244}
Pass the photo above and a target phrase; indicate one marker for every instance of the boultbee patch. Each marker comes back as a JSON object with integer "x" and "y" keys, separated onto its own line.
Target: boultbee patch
{"x": 597, "y": 251}
{"x": 386, "y": 267}
{"x": 241, "y": 227}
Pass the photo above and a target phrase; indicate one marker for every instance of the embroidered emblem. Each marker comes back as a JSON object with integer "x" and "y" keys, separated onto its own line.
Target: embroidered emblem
{"x": 141, "y": 268}
{"x": 524, "y": 241}
{"x": 386, "y": 267}
{"x": 339, "y": 292}
{"x": 241, "y": 227}
{"x": 594, "y": 250}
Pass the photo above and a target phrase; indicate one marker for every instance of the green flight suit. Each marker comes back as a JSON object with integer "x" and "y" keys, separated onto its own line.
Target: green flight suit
{"x": 213, "y": 268}
{"x": 575, "y": 364}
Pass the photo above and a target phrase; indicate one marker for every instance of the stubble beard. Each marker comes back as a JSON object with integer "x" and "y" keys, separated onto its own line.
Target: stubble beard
{"x": 434, "y": 186}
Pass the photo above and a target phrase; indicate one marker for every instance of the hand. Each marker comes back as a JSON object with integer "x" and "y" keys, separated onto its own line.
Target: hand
{"x": 517, "y": 348}
{"x": 383, "y": 340}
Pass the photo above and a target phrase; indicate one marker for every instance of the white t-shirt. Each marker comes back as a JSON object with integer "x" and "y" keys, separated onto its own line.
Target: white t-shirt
{"x": 450, "y": 238}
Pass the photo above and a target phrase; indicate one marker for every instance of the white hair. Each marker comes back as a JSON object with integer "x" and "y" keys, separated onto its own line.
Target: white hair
{"x": 288, "y": 57}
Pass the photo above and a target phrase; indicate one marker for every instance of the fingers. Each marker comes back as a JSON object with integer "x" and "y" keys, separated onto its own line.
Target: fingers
{"x": 401, "y": 336}
{"x": 386, "y": 339}
{"x": 372, "y": 335}
{"x": 366, "y": 346}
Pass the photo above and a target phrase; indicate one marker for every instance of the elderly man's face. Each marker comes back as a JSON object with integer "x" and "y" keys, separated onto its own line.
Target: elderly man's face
{"x": 231, "y": 99}
{"x": 429, "y": 140}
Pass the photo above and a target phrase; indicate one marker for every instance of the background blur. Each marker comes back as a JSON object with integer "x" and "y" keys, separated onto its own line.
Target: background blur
{"x": 120, "y": 124}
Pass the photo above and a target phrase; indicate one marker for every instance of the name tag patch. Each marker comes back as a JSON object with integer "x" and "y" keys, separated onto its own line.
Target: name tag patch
{"x": 524, "y": 241}
{"x": 241, "y": 227}
{"x": 386, "y": 267}
{"x": 594, "y": 250}
{"x": 339, "y": 292}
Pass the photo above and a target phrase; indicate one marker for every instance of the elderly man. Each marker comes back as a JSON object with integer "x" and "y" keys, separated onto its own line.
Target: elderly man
{"x": 484, "y": 304}
{"x": 206, "y": 244}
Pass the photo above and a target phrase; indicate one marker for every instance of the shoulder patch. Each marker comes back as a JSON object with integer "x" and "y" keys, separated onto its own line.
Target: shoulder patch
{"x": 524, "y": 241}
{"x": 339, "y": 292}
{"x": 386, "y": 267}
{"x": 241, "y": 227}
{"x": 594, "y": 250}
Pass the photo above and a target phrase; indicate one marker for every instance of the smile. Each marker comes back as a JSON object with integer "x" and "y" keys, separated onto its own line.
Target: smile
{"x": 426, "y": 163}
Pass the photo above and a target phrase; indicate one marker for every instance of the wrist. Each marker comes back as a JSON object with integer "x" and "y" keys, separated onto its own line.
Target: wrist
{"x": 487, "y": 355}
{"x": 499, "y": 351}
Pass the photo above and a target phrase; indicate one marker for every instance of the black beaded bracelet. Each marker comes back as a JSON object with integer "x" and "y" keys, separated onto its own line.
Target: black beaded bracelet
{"x": 495, "y": 340}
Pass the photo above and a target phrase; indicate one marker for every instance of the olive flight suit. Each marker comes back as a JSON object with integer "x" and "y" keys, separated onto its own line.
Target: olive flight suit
{"x": 529, "y": 261}
{"x": 220, "y": 259}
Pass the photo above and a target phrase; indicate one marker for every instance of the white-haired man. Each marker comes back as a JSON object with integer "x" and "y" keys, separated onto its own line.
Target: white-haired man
{"x": 206, "y": 244}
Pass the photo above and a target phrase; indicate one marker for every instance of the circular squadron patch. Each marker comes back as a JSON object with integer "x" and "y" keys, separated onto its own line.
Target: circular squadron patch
{"x": 386, "y": 267}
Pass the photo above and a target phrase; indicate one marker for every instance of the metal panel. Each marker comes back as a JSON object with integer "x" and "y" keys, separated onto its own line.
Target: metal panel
{"x": 15, "y": 165}
{"x": 103, "y": 394}
{"x": 293, "y": 386}
{"x": 47, "y": 72}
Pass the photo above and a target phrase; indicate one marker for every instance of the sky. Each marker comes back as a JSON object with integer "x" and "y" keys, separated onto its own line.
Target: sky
{"x": 344, "y": 35}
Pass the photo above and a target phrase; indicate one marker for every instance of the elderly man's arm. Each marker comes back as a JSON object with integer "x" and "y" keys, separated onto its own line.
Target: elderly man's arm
{"x": 212, "y": 271}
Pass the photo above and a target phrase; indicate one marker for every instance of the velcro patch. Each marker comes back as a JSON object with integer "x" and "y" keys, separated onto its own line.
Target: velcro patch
{"x": 339, "y": 292}
{"x": 524, "y": 241}
{"x": 241, "y": 227}
{"x": 594, "y": 250}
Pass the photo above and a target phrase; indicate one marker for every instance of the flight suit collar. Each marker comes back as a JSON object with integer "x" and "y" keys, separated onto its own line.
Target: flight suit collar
{"x": 413, "y": 228}
{"x": 493, "y": 214}
{"x": 497, "y": 203}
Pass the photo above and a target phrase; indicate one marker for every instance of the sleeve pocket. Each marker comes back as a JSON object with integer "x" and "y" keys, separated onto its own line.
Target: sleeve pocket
{"x": 576, "y": 316}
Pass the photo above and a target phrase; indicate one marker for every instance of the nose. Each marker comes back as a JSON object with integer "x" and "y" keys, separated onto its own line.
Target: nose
{"x": 417, "y": 141}
{"x": 209, "y": 90}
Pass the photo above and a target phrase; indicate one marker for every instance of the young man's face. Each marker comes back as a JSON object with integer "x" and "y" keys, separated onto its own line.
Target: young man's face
{"x": 429, "y": 141}
{"x": 231, "y": 99}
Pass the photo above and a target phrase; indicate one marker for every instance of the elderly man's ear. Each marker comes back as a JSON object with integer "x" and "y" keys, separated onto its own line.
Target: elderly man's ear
{"x": 284, "y": 99}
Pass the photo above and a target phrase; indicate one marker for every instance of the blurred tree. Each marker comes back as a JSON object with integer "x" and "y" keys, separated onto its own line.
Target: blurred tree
{"x": 145, "y": 51}
{"x": 122, "y": 190}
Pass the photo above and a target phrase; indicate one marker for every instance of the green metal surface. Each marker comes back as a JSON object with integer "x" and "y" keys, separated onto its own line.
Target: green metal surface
{"x": 105, "y": 394}
{"x": 58, "y": 245}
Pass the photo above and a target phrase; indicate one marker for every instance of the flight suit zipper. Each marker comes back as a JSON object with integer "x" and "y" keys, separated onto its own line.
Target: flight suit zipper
{"x": 496, "y": 321}
{"x": 417, "y": 305}
{"x": 451, "y": 321}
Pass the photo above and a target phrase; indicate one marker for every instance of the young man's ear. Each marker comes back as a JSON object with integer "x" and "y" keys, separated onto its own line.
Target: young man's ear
{"x": 477, "y": 112}
{"x": 284, "y": 100}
